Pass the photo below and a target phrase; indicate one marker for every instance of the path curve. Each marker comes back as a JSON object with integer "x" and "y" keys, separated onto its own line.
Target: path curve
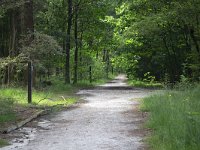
{"x": 107, "y": 121}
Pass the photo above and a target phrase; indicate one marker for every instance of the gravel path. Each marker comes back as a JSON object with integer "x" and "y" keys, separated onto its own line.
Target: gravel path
{"x": 107, "y": 121}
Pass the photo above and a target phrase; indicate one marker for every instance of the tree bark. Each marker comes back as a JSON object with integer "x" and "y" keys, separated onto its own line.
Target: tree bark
{"x": 107, "y": 64}
{"x": 76, "y": 45}
{"x": 195, "y": 40}
{"x": 29, "y": 29}
{"x": 170, "y": 62}
{"x": 67, "y": 64}
{"x": 80, "y": 55}
{"x": 28, "y": 19}
{"x": 13, "y": 34}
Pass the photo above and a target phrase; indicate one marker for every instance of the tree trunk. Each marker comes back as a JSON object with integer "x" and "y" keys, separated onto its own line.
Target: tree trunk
{"x": 107, "y": 64}
{"x": 13, "y": 34}
{"x": 29, "y": 28}
{"x": 195, "y": 40}
{"x": 80, "y": 55}
{"x": 170, "y": 62}
{"x": 28, "y": 19}
{"x": 76, "y": 45}
{"x": 90, "y": 74}
{"x": 67, "y": 65}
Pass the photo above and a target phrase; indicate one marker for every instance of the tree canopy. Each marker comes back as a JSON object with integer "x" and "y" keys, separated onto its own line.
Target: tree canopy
{"x": 69, "y": 37}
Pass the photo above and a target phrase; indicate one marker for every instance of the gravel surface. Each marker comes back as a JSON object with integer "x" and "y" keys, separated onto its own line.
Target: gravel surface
{"x": 108, "y": 120}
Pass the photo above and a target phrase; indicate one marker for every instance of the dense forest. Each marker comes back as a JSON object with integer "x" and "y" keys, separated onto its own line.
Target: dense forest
{"x": 76, "y": 38}
{"x": 60, "y": 37}
{"x": 75, "y": 44}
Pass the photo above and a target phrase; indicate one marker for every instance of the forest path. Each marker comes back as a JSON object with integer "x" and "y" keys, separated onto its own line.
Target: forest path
{"x": 107, "y": 121}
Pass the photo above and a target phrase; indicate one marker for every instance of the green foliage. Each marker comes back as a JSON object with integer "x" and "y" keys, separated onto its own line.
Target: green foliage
{"x": 7, "y": 5}
{"x": 145, "y": 35}
{"x": 174, "y": 118}
{"x": 42, "y": 48}
{"x": 163, "y": 35}
{"x": 94, "y": 35}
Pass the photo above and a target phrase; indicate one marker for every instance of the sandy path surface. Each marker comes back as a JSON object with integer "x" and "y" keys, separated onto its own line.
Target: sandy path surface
{"x": 107, "y": 121}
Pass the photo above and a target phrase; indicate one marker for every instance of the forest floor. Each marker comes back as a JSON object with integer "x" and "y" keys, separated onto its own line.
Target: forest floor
{"x": 107, "y": 118}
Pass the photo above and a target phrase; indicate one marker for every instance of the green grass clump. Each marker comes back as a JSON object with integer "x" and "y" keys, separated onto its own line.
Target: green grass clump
{"x": 175, "y": 119}
{"x": 6, "y": 110}
{"x": 46, "y": 97}
{"x": 3, "y": 143}
{"x": 144, "y": 84}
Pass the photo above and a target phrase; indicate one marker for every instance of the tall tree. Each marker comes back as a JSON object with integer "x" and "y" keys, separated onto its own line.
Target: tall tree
{"x": 76, "y": 43}
{"x": 28, "y": 16}
{"x": 68, "y": 42}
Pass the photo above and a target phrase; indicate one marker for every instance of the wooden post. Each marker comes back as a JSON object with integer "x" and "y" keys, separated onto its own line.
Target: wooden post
{"x": 30, "y": 70}
{"x": 112, "y": 70}
{"x": 90, "y": 72}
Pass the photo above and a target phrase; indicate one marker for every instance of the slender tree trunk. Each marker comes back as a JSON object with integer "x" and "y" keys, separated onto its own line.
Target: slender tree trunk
{"x": 67, "y": 65}
{"x": 170, "y": 62}
{"x": 28, "y": 19}
{"x": 12, "y": 45}
{"x": 107, "y": 64}
{"x": 29, "y": 30}
{"x": 6, "y": 75}
{"x": 90, "y": 74}
{"x": 13, "y": 35}
{"x": 195, "y": 40}
{"x": 176, "y": 62}
{"x": 188, "y": 44}
{"x": 187, "y": 38}
{"x": 80, "y": 55}
{"x": 76, "y": 45}
{"x": 104, "y": 55}
{"x": 196, "y": 43}
{"x": 97, "y": 55}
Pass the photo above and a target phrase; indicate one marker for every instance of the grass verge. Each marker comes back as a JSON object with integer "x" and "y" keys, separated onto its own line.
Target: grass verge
{"x": 3, "y": 143}
{"x": 174, "y": 119}
{"x": 13, "y": 100}
{"x": 144, "y": 84}
{"x": 59, "y": 94}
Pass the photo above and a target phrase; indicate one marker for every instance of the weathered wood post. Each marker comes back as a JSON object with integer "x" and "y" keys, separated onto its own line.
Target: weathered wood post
{"x": 30, "y": 70}
{"x": 112, "y": 70}
{"x": 90, "y": 72}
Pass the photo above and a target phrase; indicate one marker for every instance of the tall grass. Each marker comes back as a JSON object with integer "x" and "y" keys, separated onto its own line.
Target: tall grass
{"x": 175, "y": 119}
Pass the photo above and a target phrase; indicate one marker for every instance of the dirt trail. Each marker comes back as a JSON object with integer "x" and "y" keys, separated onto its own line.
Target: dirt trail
{"x": 107, "y": 121}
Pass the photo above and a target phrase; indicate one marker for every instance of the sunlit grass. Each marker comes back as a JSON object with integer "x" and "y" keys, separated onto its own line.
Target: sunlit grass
{"x": 175, "y": 119}
{"x": 58, "y": 94}
{"x": 11, "y": 97}
{"x": 19, "y": 95}
{"x": 139, "y": 83}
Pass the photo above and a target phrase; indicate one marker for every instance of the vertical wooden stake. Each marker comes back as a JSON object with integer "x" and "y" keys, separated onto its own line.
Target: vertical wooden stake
{"x": 30, "y": 68}
{"x": 112, "y": 70}
{"x": 90, "y": 71}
